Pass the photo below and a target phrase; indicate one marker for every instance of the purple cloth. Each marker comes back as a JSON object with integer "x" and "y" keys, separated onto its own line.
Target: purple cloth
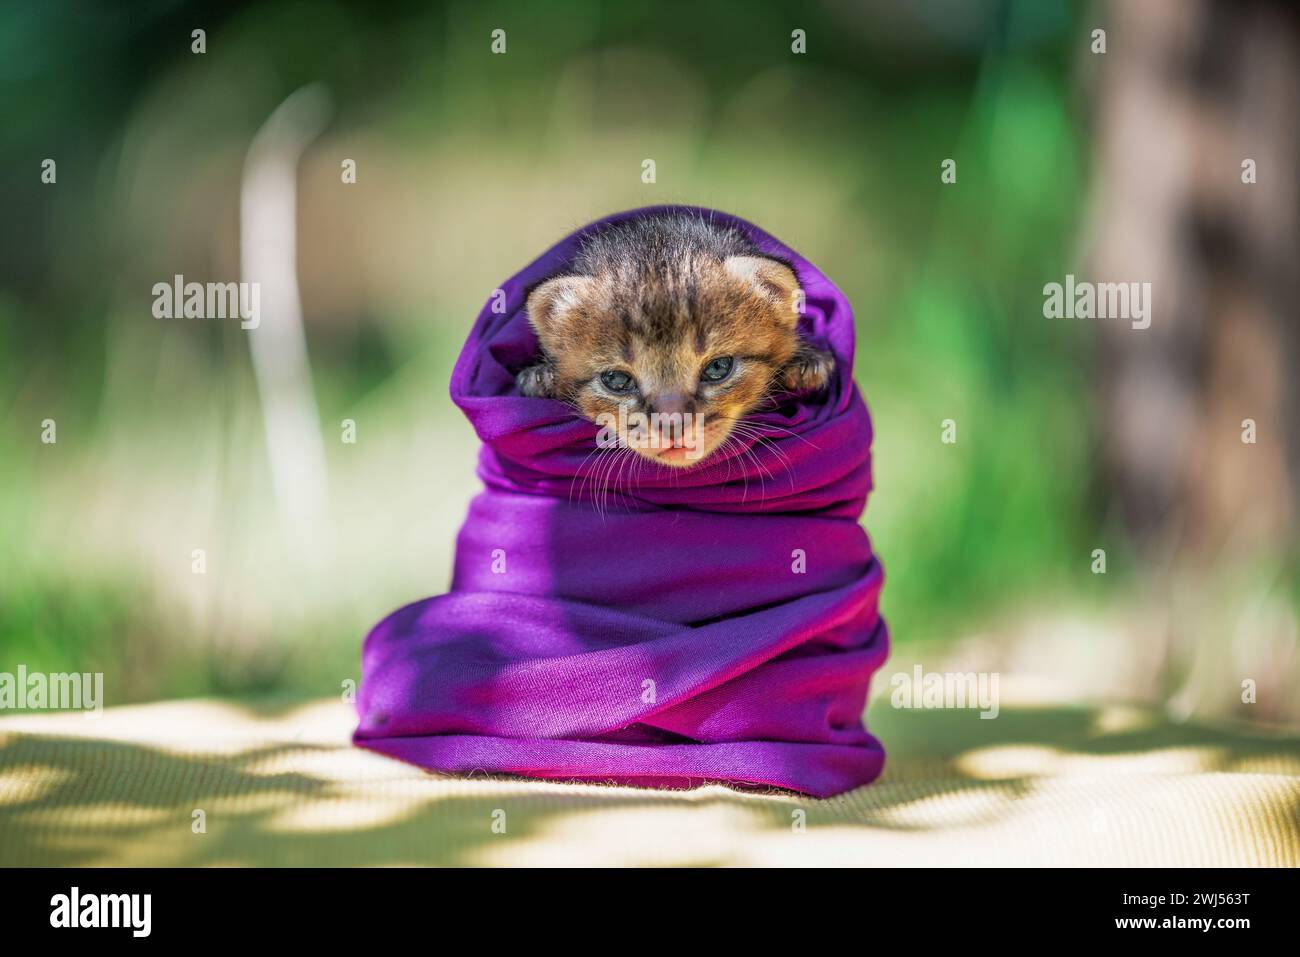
{"x": 714, "y": 624}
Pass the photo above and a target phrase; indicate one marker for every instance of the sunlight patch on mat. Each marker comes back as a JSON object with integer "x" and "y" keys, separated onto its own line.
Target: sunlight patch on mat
{"x": 26, "y": 783}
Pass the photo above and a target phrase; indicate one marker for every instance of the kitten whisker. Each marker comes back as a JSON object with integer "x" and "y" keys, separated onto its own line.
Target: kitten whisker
{"x": 765, "y": 425}
{"x": 747, "y": 430}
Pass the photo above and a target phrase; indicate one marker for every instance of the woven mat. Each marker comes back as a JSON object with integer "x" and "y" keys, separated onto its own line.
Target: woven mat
{"x": 223, "y": 783}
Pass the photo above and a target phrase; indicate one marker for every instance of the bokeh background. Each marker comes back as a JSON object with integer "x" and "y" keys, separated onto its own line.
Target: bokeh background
{"x": 1072, "y": 435}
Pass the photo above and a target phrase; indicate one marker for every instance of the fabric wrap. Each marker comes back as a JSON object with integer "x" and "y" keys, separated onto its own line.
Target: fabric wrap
{"x": 713, "y": 624}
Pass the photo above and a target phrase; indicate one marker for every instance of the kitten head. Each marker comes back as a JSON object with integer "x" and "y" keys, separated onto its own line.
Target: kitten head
{"x": 683, "y": 333}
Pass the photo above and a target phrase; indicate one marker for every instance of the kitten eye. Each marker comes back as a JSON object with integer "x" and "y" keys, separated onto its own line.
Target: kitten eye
{"x": 616, "y": 381}
{"x": 717, "y": 370}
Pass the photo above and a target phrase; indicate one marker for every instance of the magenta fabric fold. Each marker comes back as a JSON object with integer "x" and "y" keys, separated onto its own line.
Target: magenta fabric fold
{"x": 671, "y": 628}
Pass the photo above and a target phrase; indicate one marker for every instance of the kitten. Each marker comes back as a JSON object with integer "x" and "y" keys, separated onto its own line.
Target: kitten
{"x": 677, "y": 318}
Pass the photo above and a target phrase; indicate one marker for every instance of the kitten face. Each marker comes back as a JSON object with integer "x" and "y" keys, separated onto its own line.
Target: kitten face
{"x": 670, "y": 330}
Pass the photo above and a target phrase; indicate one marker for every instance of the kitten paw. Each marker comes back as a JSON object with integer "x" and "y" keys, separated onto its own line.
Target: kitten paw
{"x": 809, "y": 370}
{"x": 537, "y": 381}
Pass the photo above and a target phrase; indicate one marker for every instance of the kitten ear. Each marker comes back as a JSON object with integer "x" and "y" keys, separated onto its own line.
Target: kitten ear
{"x": 774, "y": 281}
{"x": 552, "y": 300}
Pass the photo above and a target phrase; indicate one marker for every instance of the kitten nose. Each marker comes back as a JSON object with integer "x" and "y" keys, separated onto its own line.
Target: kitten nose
{"x": 670, "y": 433}
{"x": 669, "y": 402}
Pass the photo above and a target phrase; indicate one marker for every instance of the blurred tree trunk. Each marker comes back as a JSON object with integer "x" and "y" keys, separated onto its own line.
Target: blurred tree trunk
{"x": 1187, "y": 91}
